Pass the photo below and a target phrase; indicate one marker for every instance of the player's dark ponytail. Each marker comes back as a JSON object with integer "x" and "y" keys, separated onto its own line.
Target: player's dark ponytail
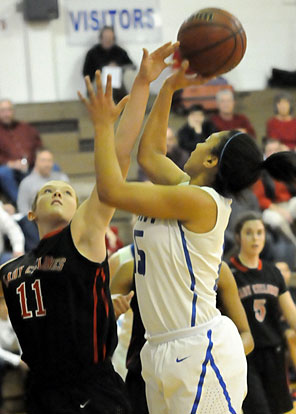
{"x": 281, "y": 166}
{"x": 241, "y": 163}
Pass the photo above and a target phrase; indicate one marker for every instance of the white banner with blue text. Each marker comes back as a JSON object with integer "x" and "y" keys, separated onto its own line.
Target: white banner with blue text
{"x": 134, "y": 21}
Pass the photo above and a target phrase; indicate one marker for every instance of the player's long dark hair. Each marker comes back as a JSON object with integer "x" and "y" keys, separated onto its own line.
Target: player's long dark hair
{"x": 241, "y": 164}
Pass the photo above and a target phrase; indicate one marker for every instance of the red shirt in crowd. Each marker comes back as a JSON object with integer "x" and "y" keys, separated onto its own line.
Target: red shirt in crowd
{"x": 284, "y": 131}
{"x": 282, "y": 194}
{"x": 238, "y": 121}
{"x": 18, "y": 140}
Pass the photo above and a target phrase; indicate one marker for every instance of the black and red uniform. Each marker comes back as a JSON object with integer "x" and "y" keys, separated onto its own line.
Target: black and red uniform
{"x": 60, "y": 307}
{"x": 134, "y": 381}
{"x": 259, "y": 290}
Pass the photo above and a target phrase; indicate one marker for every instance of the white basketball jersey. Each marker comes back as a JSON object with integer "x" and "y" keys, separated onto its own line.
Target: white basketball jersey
{"x": 177, "y": 270}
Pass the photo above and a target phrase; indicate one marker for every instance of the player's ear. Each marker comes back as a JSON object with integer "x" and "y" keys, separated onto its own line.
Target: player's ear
{"x": 210, "y": 161}
{"x": 31, "y": 216}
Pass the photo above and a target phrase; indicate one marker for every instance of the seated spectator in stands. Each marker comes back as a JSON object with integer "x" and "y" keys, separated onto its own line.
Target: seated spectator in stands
{"x": 9, "y": 348}
{"x": 276, "y": 199}
{"x": 107, "y": 53}
{"x": 196, "y": 129}
{"x": 174, "y": 152}
{"x": 18, "y": 144}
{"x": 41, "y": 173}
{"x": 227, "y": 119}
{"x": 178, "y": 155}
{"x": 12, "y": 231}
{"x": 282, "y": 126}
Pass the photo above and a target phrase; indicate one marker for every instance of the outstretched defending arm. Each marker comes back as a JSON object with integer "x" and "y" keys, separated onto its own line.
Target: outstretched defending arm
{"x": 90, "y": 222}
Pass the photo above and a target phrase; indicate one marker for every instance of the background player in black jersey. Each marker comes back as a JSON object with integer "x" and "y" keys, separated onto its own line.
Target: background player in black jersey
{"x": 264, "y": 296}
{"x": 122, "y": 282}
{"x": 58, "y": 294}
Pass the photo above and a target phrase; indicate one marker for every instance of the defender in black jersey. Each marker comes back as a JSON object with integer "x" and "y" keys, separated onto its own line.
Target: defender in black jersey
{"x": 58, "y": 295}
{"x": 264, "y": 296}
{"x": 61, "y": 310}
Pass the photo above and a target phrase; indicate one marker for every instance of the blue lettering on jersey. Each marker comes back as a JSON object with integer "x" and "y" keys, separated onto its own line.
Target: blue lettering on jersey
{"x": 140, "y": 265}
{"x": 145, "y": 219}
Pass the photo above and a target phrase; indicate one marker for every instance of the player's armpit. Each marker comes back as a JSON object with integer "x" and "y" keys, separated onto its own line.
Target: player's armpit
{"x": 88, "y": 227}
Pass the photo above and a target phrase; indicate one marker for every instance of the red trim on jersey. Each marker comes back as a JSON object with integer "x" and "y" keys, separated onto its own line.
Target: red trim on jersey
{"x": 52, "y": 233}
{"x": 105, "y": 300}
{"x": 104, "y": 351}
{"x": 95, "y": 332}
{"x": 241, "y": 267}
{"x": 106, "y": 304}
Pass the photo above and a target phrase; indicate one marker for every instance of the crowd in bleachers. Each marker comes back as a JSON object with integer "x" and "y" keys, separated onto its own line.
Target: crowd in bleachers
{"x": 25, "y": 165}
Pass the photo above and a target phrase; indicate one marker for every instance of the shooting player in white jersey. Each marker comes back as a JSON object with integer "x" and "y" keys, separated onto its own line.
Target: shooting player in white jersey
{"x": 193, "y": 360}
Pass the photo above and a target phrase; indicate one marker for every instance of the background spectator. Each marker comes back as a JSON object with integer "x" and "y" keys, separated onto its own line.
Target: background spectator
{"x": 18, "y": 144}
{"x": 29, "y": 186}
{"x": 196, "y": 129}
{"x": 178, "y": 155}
{"x": 282, "y": 126}
{"x": 10, "y": 229}
{"x": 106, "y": 53}
{"x": 41, "y": 173}
{"x": 113, "y": 242}
{"x": 227, "y": 119}
{"x": 174, "y": 152}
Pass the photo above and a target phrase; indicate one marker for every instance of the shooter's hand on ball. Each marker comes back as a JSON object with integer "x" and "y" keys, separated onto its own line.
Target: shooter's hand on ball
{"x": 180, "y": 80}
{"x": 154, "y": 63}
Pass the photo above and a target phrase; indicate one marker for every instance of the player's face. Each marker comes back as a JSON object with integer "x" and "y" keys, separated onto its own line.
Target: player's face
{"x": 252, "y": 238}
{"x": 56, "y": 201}
{"x": 202, "y": 153}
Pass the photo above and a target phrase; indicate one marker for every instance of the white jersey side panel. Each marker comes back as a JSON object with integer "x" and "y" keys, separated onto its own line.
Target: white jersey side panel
{"x": 177, "y": 271}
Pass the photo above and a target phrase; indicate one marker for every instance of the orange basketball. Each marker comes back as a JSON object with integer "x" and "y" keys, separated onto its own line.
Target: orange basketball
{"x": 213, "y": 40}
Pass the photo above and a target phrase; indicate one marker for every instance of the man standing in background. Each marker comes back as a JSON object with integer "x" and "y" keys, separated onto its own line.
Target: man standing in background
{"x": 107, "y": 53}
